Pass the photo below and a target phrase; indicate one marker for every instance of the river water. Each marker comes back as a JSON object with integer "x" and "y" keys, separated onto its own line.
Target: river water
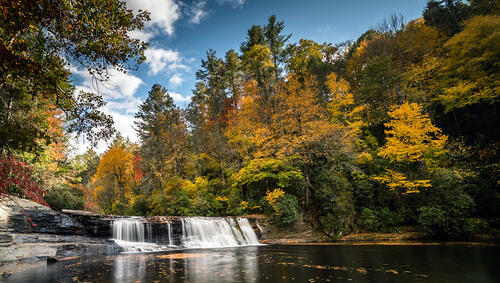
{"x": 300, "y": 263}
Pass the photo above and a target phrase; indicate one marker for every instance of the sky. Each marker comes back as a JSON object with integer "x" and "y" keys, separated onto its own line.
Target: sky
{"x": 180, "y": 33}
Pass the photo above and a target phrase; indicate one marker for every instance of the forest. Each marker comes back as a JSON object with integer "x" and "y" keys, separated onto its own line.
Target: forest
{"x": 399, "y": 127}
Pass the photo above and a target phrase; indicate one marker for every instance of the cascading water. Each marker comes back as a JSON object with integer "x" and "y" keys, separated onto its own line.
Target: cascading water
{"x": 129, "y": 229}
{"x": 134, "y": 234}
{"x": 201, "y": 232}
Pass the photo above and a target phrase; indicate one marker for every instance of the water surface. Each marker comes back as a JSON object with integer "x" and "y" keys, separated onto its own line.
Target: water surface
{"x": 302, "y": 263}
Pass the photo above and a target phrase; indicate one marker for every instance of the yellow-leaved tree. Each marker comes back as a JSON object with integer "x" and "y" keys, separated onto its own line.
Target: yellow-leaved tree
{"x": 411, "y": 139}
{"x": 341, "y": 107}
{"x": 114, "y": 178}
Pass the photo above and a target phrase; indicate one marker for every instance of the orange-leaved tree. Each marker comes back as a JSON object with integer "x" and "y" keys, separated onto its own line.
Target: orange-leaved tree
{"x": 115, "y": 178}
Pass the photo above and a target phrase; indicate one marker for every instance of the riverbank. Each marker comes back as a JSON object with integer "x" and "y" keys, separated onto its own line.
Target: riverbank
{"x": 29, "y": 231}
{"x": 302, "y": 233}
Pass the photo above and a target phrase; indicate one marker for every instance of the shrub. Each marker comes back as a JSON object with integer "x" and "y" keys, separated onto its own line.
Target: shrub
{"x": 449, "y": 216}
{"x": 377, "y": 220}
{"x": 65, "y": 197}
{"x": 284, "y": 207}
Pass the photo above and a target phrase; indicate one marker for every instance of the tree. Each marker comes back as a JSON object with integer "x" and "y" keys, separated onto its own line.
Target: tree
{"x": 411, "y": 135}
{"x": 470, "y": 75}
{"x": 411, "y": 138}
{"x": 163, "y": 134}
{"x": 38, "y": 41}
{"x": 446, "y": 15}
{"x": 341, "y": 107}
{"x": 449, "y": 15}
{"x": 276, "y": 42}
{"x": 16, "y": 179}
{"x": 114, "y": 179}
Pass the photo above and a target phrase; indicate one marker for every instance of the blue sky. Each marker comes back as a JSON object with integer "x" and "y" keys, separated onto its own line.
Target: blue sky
{"x": 180, "y": 33}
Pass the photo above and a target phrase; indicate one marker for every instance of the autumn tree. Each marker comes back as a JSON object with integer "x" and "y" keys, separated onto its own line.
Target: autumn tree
{"x": 114, "y": 180}
{"x": 411, "y": 138}
{"x": 37, "y": 41}
{"x": 470, "y": 75}
{"x": 163, "y": 134}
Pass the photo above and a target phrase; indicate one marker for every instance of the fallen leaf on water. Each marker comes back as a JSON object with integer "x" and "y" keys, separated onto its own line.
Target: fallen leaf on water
{"x": 316, "y": 266}
{"x": 181, "y": 256}
{"x": 361, "y": 270}
{"x": 392, "y": 271}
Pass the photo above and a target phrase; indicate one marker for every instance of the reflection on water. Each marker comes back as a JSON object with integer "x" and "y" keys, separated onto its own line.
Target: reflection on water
{"x": 278, "y": 264}
{"x": 132, "y": 268}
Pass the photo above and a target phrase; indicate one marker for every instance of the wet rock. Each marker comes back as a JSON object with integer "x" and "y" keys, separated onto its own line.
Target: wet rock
{"x": 45, "y": 221}
{"x": 87, "y": 250}
{"x": 96, "y": 225}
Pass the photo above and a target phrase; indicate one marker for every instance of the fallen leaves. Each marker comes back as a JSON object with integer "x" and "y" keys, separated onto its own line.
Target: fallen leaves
{"x": 181, "y": 256}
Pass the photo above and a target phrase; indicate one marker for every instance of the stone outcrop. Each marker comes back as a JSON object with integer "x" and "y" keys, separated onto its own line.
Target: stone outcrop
{"x": 45, "y": 221}
{"x": 32, "y": 231}
{"x": 23, "y": 247}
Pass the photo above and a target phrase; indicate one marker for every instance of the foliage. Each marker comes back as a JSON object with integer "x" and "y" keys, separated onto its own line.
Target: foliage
{"x": 449, "y": 217}
{"x": 37, "y": 41}
{"x": 65, "y": 197}
{"x": 16, "y": 179}
{"x": 284, "y": 207}
{"x": 173, "y": 199}
{"x": 470, "y": 75}
{"x": 115, "y": 178}
{"x": 412, "y": 138}
{"x": 380, "y": 219}
{"x": 395, "y": 128}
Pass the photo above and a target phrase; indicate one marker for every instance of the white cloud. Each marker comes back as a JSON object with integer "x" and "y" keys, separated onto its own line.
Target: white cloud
{"x": 175, "y": 81}
{"x": 142, "y": 35}
{"x": 199, "y": 13}
{"x": 119, "y": 86}
{"x": 119, "y": 91}
{"x": 179, "y": 98}
{"x": 164, "y": 13}
{"x": 234, "y": 3}
{"x": 123, "y": 124}
{"x": 158, "y": 59}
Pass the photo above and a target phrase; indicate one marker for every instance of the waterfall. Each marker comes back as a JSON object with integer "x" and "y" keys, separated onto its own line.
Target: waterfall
{"x": 208, "y": 232}
{"x": 169, "y": 230}
{"x": 247, "y": 231}
{"x": 129, "y": 229}
{"x": 135, "y": 234}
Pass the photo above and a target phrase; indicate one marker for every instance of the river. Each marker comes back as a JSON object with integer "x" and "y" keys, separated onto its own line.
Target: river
{"x": 273, "y": 263}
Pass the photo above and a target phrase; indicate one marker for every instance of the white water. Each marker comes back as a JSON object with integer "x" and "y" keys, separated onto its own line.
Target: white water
{"x": 129, "y": 229}
{"x": 135, "y": 235}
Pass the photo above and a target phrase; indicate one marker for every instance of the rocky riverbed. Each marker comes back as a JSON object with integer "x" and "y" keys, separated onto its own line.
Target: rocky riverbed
{"x": 29, "y": 231}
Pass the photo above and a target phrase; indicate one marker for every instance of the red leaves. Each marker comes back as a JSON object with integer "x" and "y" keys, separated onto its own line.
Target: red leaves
{"x": 15, "y": 179}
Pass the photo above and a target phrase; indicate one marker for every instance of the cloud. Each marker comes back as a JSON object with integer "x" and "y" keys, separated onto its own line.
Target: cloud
{"x": 175, "y": 81}
{"x": 119, "y": 86}
{"x": 123, "y": 124}
{"x": 164, "y": 13}
{"x": 198, "y": 12}
{"x": 142, "y": 35}
{"x": 158, "y": 59}
{"x": 120, "y": 93}
{"x": 234, "y": 3}
{"x": 179, "y": 98}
